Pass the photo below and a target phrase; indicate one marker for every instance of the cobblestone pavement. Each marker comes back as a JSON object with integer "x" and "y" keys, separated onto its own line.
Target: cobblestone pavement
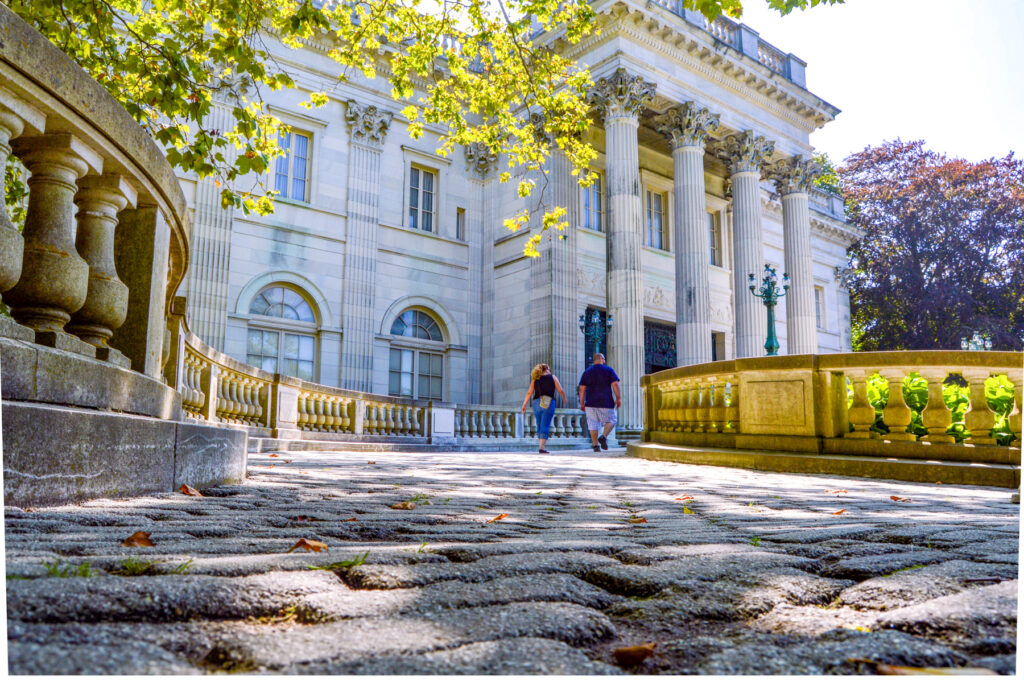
{"x": 727, "y": 571}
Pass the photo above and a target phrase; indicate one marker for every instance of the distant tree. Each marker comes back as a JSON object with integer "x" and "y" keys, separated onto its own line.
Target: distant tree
{"x": 829, "y": 178}
{"x": 943, "y": 250}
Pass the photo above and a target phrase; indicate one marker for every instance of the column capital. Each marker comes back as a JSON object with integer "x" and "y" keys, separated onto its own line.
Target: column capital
{"x": 793, "y": 175}
{"x": 367, "y": 124}
{"x": 480, "y": 160}
{"x": 746, "y": 152}
{"x": 621, "y": 95}
{"x": 843, "y": 277}
{"x": 687, "y": 125}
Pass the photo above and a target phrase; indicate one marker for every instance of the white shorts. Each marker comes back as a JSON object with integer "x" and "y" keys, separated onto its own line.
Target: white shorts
{"x": 598, "y": 416}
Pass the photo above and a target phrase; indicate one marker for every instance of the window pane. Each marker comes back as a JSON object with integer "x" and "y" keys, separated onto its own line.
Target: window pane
{"x": 254, "y": 343}
{"x": 301, "y": 146}
{"x": 394, "y": 383}
{"x": 270, "y": 343}
{"x": 423, "y": 386}
{"x": 298, "y": 190}
{"x": 412, "y": 216}
{"x": 281, "y": 182}
{"x": 306, "y": 347}
{"x": 406, "y": 385}
{"x": 435, "y": 388}
{"x": 428, "y": 181}
{"x": 407, "y": 363}
{"x": 397, "y": 329}
{"x": 395, "y": 363}
{"x": 428, "y": 202}
{"x": 290, "y": 367}
{"x": 436, "y": 364}
{"x": 305, "y": 371}
{"x": 291, "y": 346}
{"x": 428, "y": 222}
{"x": 269, "y": 364}
{"x": 414, "y": 177}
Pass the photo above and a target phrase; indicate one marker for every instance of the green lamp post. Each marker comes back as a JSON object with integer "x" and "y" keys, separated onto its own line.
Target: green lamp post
{"x": 769, "y": 295}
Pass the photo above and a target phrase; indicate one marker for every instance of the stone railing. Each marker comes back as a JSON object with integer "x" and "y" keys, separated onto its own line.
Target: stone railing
{"x": 87, "y": 280}
{"x": 802, "y": 403}
{"x": 276, "y": 406}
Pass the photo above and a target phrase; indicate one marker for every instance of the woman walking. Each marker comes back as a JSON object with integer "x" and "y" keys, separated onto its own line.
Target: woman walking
{"x": 543, "y": 385}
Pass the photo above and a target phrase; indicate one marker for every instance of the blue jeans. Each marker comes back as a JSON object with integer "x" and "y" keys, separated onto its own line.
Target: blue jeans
{"x": 544, "y": 417}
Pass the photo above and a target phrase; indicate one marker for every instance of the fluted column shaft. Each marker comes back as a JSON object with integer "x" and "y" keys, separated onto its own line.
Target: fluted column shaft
{"x": 745, "y": 155}
{"x": 801, "y": 321}
{"x": 693, "y": 290}
{"x": 368, "y": 127}
{"x": 480, "y": 166}
{"x": 54, "y": 277}
{"x": 100, "y": 198}
{"x": 565, "y": 332}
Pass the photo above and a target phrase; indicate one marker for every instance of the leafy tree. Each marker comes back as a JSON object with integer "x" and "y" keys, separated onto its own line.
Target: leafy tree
{"x": 470, "y": 66}
{"x": 942, "y": 251}
{"x": 829, "y": 178}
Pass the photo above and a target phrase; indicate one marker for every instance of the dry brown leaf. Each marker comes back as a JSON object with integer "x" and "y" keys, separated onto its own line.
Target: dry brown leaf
{"x": 902, "y": 500}
{"x": 138, "y": 539}
{"x": 287, "y": 460}
{"x": 840, "y": 512}
{"x": 685, "y": 497}
{"x": 307, "y": 519}
{"x": 496, "y": 518}
{"x": 190, "y": 491}
{"x": 309, "y": 545}
{"x": 835, "y": 491}
{"x": 636, "y": 521}
{"x": 350, "y": 520}
{"x": 273, "y": 456}
{"x": 371, "y": 462}
{"x": 633, "y": 655}
{"x": 404, "y": 505}
{"x": 896, "y": 670}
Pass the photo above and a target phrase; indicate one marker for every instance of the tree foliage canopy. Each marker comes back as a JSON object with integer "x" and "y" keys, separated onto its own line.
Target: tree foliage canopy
{"x": 942, "y": 255}
{"x": 471, "y": 67}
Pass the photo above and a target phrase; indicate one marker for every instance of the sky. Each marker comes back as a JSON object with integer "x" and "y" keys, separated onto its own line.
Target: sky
{"x": 950, "y": 72}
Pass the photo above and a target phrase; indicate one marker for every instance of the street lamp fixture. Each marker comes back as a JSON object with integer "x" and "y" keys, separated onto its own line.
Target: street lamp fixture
{"x": 595, "y": 332}
{"x": 769, "y": 295}
{"x": 979, "y": 341}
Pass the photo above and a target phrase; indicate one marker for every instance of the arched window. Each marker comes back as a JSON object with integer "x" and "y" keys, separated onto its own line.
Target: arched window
{"x": 416, "y": 367}
{"x": 282, "y": 333}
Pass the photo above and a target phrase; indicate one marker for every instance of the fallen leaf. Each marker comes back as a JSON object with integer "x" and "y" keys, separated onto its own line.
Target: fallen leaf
{"x": 307, "y": 519}
{"x": 686, "y": 510}
{"x": 371, "y": 462}
{"x": 685, "y": 497}
{"x": 637, "y": 521}
{"x": 309, "y": 545}
{"x": 840, "y": 512}
{"x": 496, "y": 518}
{"x": 350, "y": 520}
{"x": 138, "y": 539}
{"x": 404, "y": 505}
{"x": 896, "y": 670}
{"x": 287, "y": 460}
{"x": 835, "y": 491}
{"x": 902, "y": 500}
{"x": 633, "y": 655}
{"x": 190, "y": 491}
{"x": 274, "y": 456}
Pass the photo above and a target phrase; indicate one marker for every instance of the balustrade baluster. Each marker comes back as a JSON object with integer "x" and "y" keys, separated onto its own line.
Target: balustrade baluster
{"x": 861, "y": 414}
{"x": 897, "y": 415}
{"x": 732, "y": 412}
{"x": 705, "y": 412}
{"x": 718, "y": 406}
{"x": 676, "y": 411}
{"x": 370, "y": 421}
{"x": 936, "y": 416}
{"x": 330, "y": 414}
{"x": 417, "y": 428}
{"x": 346, "y": 407}
{"x": 979, "y": 419}
{"x": 690, "y": 406}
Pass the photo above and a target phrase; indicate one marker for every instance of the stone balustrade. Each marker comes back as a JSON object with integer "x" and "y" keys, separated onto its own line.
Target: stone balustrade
{"x": 820, "y": 404}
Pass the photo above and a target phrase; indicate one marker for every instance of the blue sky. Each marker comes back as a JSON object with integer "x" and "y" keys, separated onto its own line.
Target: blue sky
{"x": 950, "y": 72}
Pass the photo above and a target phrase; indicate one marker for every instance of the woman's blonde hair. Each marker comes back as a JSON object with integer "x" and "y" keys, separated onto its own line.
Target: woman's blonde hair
{"x": 538, "y": 371}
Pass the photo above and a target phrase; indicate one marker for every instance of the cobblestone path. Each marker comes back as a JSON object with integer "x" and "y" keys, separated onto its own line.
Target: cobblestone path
{"x": 727, "y": 571}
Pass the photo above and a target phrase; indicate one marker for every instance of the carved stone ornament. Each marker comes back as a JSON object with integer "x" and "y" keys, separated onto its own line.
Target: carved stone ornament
{"x": 621, "y": 95}
{"x": 744, "y": 153}
{"x": 480, "y": 160}
{"x": 687, "y": 125}
{"x": 793, "y": 175}
{"x": 367, "y": 124}
{"x": 655, "y": 296}
{"x": 843, "y": 276}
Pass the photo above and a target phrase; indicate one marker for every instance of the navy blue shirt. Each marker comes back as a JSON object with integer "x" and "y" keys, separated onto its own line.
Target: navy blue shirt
{"x": 598, "y": 381}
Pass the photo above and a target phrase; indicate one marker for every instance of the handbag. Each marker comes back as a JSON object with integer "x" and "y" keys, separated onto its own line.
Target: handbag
{"x": 545, "y": 401}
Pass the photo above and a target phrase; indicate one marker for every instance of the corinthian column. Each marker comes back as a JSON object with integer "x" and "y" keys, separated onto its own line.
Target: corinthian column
{"x": 619, "y": 100}
{"x": 745, "y": 155}
{"x": 792, "y": 178}
{"x": 687, "y": 128}
{"x": 367, "y": 126}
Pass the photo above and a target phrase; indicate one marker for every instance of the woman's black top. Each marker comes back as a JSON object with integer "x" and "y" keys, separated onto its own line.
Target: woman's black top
{"x": 545, "y": 385}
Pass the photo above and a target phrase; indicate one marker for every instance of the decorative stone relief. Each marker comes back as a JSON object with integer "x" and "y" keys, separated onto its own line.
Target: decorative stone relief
{"x": 843, "y": 277}
{"x": 589, "y": 281}
{"x": 367, "y": 124}
{"x": 721, "y": 313}
{"x": 480, "y": 160}
{"x": 655, "y": 296}
{"x": 744, "y": 153}
{"x": 621, "y": 94}
{"x": 793, "y": 175}
{"x": 687, "y": 125}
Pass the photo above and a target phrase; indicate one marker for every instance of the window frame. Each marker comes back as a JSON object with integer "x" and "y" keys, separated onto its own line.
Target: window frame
{"x": 419, "y": 346}
{"x": 283, "y": 325}
{"x": 602, "y": 212}
{"x": 414, "y": 158}
{"x": 419, "y": 172}
{"x": 649, "y": 193}
{"x": 308, "y": 180}
{"x": 820, "y": 313}
{"x": 714, "y": 221}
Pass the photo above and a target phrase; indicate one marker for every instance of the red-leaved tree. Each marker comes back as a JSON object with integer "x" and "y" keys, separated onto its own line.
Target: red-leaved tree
{"x": 943, "y": 253}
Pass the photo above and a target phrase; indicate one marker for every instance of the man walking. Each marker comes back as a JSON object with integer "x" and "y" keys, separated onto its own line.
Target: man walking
{"x": 599, "y": 397}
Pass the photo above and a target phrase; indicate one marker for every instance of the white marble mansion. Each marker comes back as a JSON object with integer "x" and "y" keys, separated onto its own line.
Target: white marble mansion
{"x": 386, "y": 268}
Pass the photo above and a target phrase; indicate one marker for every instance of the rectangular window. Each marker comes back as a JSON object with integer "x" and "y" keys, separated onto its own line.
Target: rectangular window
{"x": 422, "y": 183}
{"x": 717, "y": 346}
{"x": 819, "y": 306}
{"x": 656, "y": 235}
{"x": 400, "y": 373}
{"x": 291, "y": 173}
{"x": 409, "y": 369}
{"x": 431, "y": 372}
{"x": 261, "y": 350}
{"x": 295, "y": 357}
{"x": 460, "y": 224}
{"x": 715, "y": 238}
{"x": 593, "y": 204}
{"x": 298, "y": 356}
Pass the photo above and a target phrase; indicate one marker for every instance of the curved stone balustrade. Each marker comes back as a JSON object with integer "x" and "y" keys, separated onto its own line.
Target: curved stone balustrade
{"x": 800, "y": 403}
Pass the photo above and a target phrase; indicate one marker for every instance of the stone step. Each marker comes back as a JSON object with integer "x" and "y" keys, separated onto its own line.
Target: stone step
{"x": 889, "y": 468}
{"x": 414, "y": 444}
